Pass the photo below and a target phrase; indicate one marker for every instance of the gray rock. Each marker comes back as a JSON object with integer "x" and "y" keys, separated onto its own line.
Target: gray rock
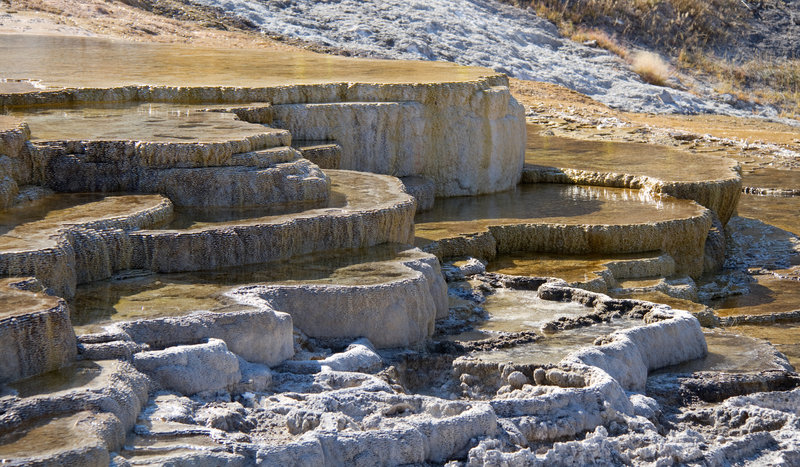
{"x": 190, "y": 369}
{"x": 260, "y": 336}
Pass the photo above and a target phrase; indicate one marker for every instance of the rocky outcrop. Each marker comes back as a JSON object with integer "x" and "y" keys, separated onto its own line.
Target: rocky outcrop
{"x": 84, "y": 242}
{"x": 400, "y": 138}
{"x": 422, "y": 189}
{"x": 468, "y": 137}
{"x": 80, "y": 424}
{"x": 399, "y": 311}
{"x": 189, "y": 369}
{"x": 260, "y": 336}
{"x": 674, "y": 336}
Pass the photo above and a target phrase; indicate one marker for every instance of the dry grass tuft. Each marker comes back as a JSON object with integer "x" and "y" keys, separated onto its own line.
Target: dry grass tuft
{"x": 651, "y": 67}
{"x": 603, "y": 40}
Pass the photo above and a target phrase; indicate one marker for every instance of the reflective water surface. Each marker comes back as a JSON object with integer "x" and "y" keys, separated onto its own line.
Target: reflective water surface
{"x": 68, "y": 61}
{"x": 33, "y": 226}
{"x": 548, "y": 203}
{"x": 136, "y": 122}
{"x": 659, "y": 162}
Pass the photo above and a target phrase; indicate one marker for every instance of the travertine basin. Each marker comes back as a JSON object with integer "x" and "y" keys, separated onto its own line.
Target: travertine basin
{"x": 66, "y": 61}
{"x": 152, "y": 122}
{"x": 565, "y": 219}
{"x": 711, "y": 181}
{"x": 158, "y": 295}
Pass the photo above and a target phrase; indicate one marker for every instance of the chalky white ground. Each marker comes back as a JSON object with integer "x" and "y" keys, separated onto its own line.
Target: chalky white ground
{"x": 471, "y": 32}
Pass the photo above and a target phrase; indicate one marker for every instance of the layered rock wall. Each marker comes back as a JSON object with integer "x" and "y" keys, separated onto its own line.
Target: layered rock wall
{"x": 36, "y": 334}
{"x": 469, "y": 137}
{"x": 392, "y": 313}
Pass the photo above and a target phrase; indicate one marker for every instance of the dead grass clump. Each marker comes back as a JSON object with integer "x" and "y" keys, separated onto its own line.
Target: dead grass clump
{"x": 651, "y": 67}
{"x": 602, "y": 39}
{"x": 664, "y": 24}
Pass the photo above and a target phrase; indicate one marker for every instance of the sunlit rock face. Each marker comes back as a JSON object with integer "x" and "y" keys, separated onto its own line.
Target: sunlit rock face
{"x": 467, "y": 139}
{"x": 397, "y": 305}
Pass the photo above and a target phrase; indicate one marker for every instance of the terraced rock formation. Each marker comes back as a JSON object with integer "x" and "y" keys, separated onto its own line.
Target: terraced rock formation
{"x": 235, "y": 244}
{"x": 460, "y": 127}
{"x": 712, "y": 181}
{"x": 567, "y": 220}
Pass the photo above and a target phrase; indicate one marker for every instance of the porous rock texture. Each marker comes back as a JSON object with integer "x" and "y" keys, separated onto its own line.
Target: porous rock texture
{"x": 14, "y": 135}
{"x": 189, "y": 369}
{"x": 422, "y": 189}
{"x": 84, "y": 251}
{"x": 376, "y": 211}
{"x": 349, "y": 419}
{"x": 36, "y": 334}
{"x": 398, "y": 312}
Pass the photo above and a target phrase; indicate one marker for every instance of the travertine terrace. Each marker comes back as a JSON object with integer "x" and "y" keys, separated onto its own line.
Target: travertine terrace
{"x": 207, "y": 256}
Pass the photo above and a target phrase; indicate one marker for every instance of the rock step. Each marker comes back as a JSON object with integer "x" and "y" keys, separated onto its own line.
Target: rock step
{"x": 252, "y": 179}
{"x": 81, "y": 241}
{"x": 35, "y": 330}
{"x": 69, "y": 238}
{"x": 327, "y": 155}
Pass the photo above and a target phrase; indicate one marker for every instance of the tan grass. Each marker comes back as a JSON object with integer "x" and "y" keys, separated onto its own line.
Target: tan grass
{"x": 603, "y": 40}
{"x": 651, "y": 67}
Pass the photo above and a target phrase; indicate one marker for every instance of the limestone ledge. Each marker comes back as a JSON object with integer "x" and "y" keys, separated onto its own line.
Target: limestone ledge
{"x": 238, "y": 186}
{"x": 77, "y": 425}
{"x": 469, "y": 137}
{"x": 160, "y": 155}
{"x": 399, "y": 312}
{"x": 721, "y": 195}
{"x": 36, "y": 334}
{"x": 683, "y": 239}
{"x": 376, "y": 211}
{"x": 80, "y": 252}
{"x": 260, "y": 335}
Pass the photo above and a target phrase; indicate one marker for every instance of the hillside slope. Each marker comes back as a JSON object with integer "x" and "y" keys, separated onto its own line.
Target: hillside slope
{"x": 473, "y": 32}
